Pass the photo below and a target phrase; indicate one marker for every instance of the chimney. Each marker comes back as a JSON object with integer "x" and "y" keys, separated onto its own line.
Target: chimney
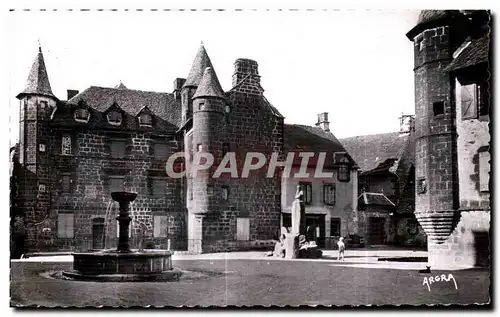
{"x": 323, "y": 122}
{"x": 407, "y": 124}
{"x": 71, "y": 93}
{"x": 244, "y": 67}
{"x": 178, "y": 83}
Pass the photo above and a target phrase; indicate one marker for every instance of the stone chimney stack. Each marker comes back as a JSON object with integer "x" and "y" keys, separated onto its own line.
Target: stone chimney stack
{"x": 323, "y": 122}
{"x": 244, "y": 67}
{"x": 178, "y": 83}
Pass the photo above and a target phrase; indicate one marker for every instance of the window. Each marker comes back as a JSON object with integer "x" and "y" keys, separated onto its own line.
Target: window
{"x": 484, "y": 99}
{"x": 438, "y": 108}
{"x": 484, "y": 170}
{"x": 421, "y": 186}
{"x": 342, "y": 160}
{"x": 201, "y": 106}
{"x": 161, "y": 151}
{"x": 158, "y": 187}
{"x": 344, "y": 174}
{"x": 66, "y": 183}
{"x": 335, "y": 227}
{"x": 243, "y": 229}
{"x": 199, "y": 148}
{"x": 474, "y": 97}
{"x": 41, "y": 147}
{"x": 41, "y": 188}
{"x": 116, "y": 183}
{"x": 225, "y": 192}
{"x": 145, "y": 119}
{"x": 329, "y": 194}
{"x": 307, "y": 190}
{"x": 82, "y": 115}
{"x": 160, "y": 226}
{"x": 117, "y": 149}
{"x": 66, "y": 225}
{"x": 66, "y": 145}
{"x": 114, "y": 118}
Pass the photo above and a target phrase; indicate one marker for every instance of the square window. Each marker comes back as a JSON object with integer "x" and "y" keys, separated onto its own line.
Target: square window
{"x": 116, "y": 183}
{"x": 82, "y": 114}
{"x": 161, "y": 151}
{"x": 158, "y": 187}
{"x": 66, "y": 183}
{"x": 41, "y": 188}
{"x": 66, "y": 225}
{"x": 117, "y": 149}
{"x": 114, "y": 117}
{"x": 201, "y": 106}
{"x": 329, "y": 194}
{"x": 421, "y": 186}
{"x": 145, "y": 120}
{"x": 438, "y": 108}
{"x": 41, "y": 147}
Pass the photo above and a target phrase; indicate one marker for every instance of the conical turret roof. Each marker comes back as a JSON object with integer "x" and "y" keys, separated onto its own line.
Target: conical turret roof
{"x": 38, "y": 79}
{"x": 209, "y": 85}
{"x": 200, "y": 63}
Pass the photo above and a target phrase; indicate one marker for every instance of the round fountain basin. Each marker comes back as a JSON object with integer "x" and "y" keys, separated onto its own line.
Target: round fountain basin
{"x": 115, "y": 266}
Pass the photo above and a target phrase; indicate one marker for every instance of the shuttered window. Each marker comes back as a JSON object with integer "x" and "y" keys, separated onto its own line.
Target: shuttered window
{"x": 66, "y": 225}
{"x": 468, "y": 95}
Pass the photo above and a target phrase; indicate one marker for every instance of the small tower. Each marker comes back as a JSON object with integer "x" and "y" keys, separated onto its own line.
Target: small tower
{"x": 37, "y": 103}
{"x": 436, "y": 199}
{"x": 208, "y": 136}
{"x": 200, "y": 63}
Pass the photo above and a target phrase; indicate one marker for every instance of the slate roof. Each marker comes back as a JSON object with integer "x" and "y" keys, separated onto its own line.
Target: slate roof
{"x": 475, "y": 52}
{"x": 200, "y": 63}
{"x": 304, "y": 138}
{"x": 376, "y": 151}
{"x": 162, "y": 105}
{"x": 209, "y": 85}
{"x": 375, "y": 199}
{"x": 38, "y": 79}
{"x": 426, "y": 16}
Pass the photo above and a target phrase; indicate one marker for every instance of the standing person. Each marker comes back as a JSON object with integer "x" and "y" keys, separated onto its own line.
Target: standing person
{"x": 341, "y": 245}
{"x": 300, "y": 196}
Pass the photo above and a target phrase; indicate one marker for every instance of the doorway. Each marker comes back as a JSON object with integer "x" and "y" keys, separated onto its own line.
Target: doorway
{"x": 318, "y": 221}
{"x": 98, "y": 237}
{"x": 376, "y": 230}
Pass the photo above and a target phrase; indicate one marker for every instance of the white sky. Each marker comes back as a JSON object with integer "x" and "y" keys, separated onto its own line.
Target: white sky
{"x": 355, "y": 64}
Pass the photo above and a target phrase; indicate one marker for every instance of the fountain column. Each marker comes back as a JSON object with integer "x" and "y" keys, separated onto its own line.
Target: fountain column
{"x": 124, "y": 219}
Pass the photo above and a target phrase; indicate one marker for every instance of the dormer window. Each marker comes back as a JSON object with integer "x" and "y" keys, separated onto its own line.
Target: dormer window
{"x": 114, "y": 118}
{"x": 82, "y": 115}
{"x": 145, "y": 120}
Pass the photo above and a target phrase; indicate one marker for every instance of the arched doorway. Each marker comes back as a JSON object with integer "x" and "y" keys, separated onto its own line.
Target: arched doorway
{"x": 98, "y": 237}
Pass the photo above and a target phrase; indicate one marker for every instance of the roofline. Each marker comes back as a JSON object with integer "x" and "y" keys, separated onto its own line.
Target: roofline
{"x": 22, "y": 94}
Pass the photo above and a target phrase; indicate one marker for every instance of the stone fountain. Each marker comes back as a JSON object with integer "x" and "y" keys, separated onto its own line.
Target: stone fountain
{"x": 124, "y": 264}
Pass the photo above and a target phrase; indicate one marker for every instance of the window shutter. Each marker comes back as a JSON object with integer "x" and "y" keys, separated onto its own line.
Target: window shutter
{"x": 468, "y": 96}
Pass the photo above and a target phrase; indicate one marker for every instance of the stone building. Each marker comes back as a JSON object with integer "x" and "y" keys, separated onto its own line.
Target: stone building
{"x": 452, "y": 153}
{"x": 386, "y": 188}
{"x": 73, "y": 153}
{"x": 329, "y": 183}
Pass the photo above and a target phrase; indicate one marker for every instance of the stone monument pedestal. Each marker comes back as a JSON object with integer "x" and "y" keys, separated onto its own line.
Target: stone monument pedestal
{"x": 291, "y": 246}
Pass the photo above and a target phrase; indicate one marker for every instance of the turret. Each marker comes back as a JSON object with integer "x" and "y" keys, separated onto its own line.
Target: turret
{"x": 208, "y": 136}
{"x": 37, "y": 104}
{"x": 200, "y": 63}
{"x": 436, "y": 201}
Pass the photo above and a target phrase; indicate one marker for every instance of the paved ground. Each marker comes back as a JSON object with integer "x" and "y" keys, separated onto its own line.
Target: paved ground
{"x": 261, "y": 281}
